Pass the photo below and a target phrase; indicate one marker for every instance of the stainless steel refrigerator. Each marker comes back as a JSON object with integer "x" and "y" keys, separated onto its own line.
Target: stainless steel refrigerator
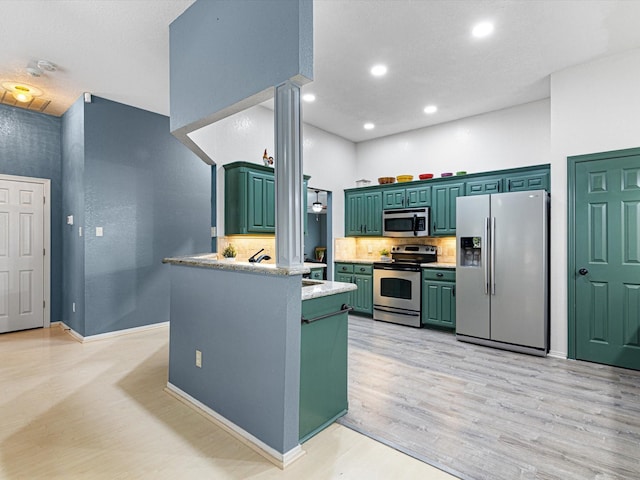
{"x": 502, "y": 280}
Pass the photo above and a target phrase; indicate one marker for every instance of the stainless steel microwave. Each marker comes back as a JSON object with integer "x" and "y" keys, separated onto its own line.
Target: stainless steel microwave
{"x": 406, "y": 222}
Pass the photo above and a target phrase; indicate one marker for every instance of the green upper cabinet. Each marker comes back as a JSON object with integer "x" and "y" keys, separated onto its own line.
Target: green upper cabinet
{"x": 530, "y": 181}
{"x": 363, "y": 213}
{"x": 249, "y": 203}
{"x": 443, "y": 211}
{"x": 484, "y": 186}
{"x": 261, "y": 193}
{"x": 406, "y": 197}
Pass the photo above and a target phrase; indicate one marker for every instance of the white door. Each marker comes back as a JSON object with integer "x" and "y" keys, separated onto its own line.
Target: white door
{"x": 21, "y": 255}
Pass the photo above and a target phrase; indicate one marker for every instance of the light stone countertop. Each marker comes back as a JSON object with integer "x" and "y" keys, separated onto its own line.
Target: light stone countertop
{"x": 324, "y": 288}
{"x": 210, "y": 260}
{"x": 438, "y": 265}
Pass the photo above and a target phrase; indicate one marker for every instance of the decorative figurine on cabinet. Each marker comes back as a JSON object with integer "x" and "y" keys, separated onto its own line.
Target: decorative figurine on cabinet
{"x": 268, "y": 161}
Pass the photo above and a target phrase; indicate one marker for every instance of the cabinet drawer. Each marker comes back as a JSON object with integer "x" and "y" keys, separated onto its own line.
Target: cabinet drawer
{"x": 363, "y": 269}
{"x": 344, "y": 268}
{"x": 443, "y": 275}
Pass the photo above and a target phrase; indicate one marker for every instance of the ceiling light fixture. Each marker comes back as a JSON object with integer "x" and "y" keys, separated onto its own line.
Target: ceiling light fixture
{"x": 378, "y": 70}
{"x": 369, "y": 126}
{"x": 316, "y": 206}
{"x": 430, "y": 109}
{"x": 22, "y": 92}
{"x": 309, "y": 97}
{"x": 482, "y": 29}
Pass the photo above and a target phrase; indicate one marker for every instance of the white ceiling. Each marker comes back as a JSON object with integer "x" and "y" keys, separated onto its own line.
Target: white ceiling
{"x": 118, "y": 50}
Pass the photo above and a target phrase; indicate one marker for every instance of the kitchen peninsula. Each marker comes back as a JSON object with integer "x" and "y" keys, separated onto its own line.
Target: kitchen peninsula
{"x": 236, "y": 347}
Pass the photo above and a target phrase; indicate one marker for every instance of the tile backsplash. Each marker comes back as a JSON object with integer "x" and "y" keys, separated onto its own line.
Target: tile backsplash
{"x": 347, "y": 248}
{"x": 369, "y": 248}
{"x": 248, "y": 245}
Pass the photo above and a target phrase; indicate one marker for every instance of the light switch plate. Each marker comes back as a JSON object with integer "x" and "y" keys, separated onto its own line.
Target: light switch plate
{"x": 69, "y": 219}
{"x": 99, "y": 232}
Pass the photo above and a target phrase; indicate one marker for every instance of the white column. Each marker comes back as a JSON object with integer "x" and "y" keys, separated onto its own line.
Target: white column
{"x": 288, "y": 175}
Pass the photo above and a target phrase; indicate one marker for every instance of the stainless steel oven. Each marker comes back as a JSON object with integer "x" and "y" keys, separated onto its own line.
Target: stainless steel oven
{"x": 397, "y": 284}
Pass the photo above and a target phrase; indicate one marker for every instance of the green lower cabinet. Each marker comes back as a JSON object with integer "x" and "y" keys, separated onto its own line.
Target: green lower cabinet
{"x": 323, "y": 364}
{"x": 316, "y": 274}
{"x": 362, "y": 275}
{"x": 438, "y": 297}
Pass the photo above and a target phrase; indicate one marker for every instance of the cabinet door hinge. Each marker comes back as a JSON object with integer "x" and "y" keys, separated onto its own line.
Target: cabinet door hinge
{"x": 44, "y": 199}
{"x": 44, "y": 251}
{"x": 44, "y": 304}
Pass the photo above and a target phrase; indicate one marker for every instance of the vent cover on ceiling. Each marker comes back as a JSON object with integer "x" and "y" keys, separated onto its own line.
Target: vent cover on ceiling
{"x": 37, "y": 104}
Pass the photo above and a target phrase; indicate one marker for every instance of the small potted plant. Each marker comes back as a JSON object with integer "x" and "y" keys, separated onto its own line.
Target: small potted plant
{"x": 229, "y": 253}
{"x": 385, "y": 256}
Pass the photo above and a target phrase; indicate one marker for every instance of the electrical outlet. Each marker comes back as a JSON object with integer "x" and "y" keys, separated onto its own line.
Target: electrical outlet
{"x": 369, "y": 249}
{"x": 99, "y": 232}
{"x": 439, "y": 250}
{"x": 198, "y": 359}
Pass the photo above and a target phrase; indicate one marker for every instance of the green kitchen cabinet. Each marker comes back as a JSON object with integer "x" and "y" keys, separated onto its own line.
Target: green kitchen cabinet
{"x": 484, "y": 186}
{"x": 249, "y": 204}
{"x": 316, "y": 274}
{"x": 438, "y": 297}
{"x": 410, "y": 197}
{"x": 363, "y": 213}
{"x": 362, "y": 275}
{"x": 323, "y": 363}
{"x": 530, "y": 181}
{"x": 443, "y": 209}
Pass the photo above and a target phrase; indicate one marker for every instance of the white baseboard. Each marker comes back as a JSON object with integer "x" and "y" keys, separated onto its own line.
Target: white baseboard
{"x": 554, "y": 354}
{"x": 102, "y": 336}
{"x": 281, "y": 460}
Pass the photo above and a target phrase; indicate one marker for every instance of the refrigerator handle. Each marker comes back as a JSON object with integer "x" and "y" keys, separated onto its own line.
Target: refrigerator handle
{"x": 485, "y": 263}
{"x": 493, "y": 255}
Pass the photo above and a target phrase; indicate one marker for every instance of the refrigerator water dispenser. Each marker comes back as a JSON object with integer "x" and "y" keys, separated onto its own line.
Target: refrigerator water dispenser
{"x": 471, "y": 251}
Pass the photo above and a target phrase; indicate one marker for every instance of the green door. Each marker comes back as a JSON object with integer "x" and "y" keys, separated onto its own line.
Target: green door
{"x": 606, "y": 268}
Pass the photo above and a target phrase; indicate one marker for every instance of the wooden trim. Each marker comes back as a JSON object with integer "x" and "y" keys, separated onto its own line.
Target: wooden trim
{"x": 281, "y": 460}
{"x": 572, "y": 163}
{"x": 116, "y": 333}
{"x": 46, "y": 270}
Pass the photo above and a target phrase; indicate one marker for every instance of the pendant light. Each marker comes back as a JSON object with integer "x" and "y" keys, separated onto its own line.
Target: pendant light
{"x": 316, "y": 206}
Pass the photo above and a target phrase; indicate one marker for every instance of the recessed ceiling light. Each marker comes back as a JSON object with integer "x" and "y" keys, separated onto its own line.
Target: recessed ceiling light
{"x": 430, "y": 109}
{"x": 369, "y": 126}
{"x": 309, "y": 97}
{"x": 482, "y": 29}
{"x": 378, "y": 70}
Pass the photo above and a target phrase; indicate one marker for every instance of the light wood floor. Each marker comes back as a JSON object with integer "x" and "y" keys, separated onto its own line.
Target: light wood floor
{"x": 98, "y": 411}
{"x": 489, "y": 414}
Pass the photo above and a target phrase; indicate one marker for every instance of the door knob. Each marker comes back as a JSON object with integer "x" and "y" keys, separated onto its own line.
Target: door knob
{"x": 583, "y": 271}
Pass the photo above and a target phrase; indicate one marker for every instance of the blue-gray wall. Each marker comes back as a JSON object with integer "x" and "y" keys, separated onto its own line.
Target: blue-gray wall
{"x": 151, "y": 196}
{"x": 30, "y": 147}
{"x": 247, "y": 327}
{"x": 73, "y": 204}
{"x": 233, "y": 51}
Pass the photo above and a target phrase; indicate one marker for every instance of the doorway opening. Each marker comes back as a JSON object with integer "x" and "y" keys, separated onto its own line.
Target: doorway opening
{"x": 317, "y": 239}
